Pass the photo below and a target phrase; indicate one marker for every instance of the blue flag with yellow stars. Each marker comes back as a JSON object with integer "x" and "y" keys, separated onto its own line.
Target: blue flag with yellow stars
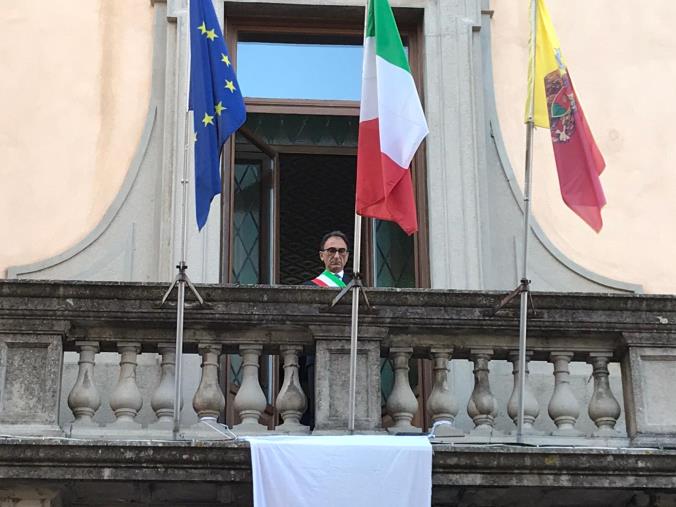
{"x": 215, "y": 100}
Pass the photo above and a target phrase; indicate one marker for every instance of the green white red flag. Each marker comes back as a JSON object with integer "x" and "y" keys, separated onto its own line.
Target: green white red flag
{"x": 391, "y": 124}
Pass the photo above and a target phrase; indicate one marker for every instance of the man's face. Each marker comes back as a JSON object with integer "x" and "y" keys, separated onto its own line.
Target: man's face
{"x": 334, "y": 262}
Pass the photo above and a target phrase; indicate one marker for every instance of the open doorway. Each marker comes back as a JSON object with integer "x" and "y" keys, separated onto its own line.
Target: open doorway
{"x": 293, "y": 181}
{"x": 316, "y": 196}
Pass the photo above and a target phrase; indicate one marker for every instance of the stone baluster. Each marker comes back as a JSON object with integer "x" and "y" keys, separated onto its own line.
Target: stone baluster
{"x": 531, "y": 408}
{"x": 250, "y": 401}
{"x": 291, "y": 400}
{"x": 603, "y": 407}
{"x": 84, "y": 399}
{"x": 442, "y": 405}
{"x": 564, "y": 408}
{"x": 402, "y": 404}
{"x": 162, "y": 401}
{"x": 126, "y": 400}
{"x": 209, "y": 399}
{"x": 482, "y": 406}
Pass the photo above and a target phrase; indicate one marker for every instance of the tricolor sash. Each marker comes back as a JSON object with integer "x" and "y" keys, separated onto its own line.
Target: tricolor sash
{"x": 328, "y": 279}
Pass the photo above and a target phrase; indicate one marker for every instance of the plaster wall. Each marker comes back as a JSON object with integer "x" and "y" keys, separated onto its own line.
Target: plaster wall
{"x": 621, "y": 61}
{"x": 74, "y": 96}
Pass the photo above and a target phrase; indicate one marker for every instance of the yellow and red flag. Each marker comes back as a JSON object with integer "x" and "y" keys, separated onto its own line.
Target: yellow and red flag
{"x": 555, "y": 106}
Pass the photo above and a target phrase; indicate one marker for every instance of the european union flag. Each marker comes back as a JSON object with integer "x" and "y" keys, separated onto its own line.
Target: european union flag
{"x": 215, "y": 100}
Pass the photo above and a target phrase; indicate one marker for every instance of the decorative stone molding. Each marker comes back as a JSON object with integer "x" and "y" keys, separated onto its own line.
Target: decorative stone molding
{"x": 30, "y": 383}
{"x": 209, "y": 400}
{"x": 402, "y": 404}
{"x": 649, "y": 374}
{"x": 332, "y": 377}
{"x": 604, "y": 409}
{"x": 84, "y": 399}
{"x": 442, "y": 404}
{"x": 482, "y": 406}
{"x": 531, "y": 408}
{"x": 564, "y": 409}
{"x": 126, "y": 400}
{"x": 250, "y": 401}
{"x": 291, "y": 401}
{"x": 162, "y": 401}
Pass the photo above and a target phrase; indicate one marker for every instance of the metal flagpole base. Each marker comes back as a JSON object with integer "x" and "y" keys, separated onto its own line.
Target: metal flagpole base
{"x": 355, "y": 283}
{"x": 524, "y": 286}
{"x": 182, "y": 277}
{"x": 180, "y": 281}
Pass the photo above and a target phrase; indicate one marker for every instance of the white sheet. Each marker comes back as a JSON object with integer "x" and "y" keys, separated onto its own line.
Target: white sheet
{"x": 337, "y": 471}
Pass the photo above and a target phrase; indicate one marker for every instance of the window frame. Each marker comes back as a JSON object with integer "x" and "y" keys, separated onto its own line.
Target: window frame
{"x": 325, "y": 21}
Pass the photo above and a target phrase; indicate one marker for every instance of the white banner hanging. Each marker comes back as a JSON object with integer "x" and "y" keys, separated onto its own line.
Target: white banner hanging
{"x": 338, "y": 471}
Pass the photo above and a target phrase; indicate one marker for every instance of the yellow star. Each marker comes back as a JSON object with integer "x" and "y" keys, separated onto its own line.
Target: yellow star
{"x": 230, "y": 86}
{"x": 194, "y": 137}
{"x": 225, "y": 59}
{"x": 202, "y": 28}
{"x": 211, "y": 34}
{"x": 219, "y": 107}
{"x": 207, "y": 119}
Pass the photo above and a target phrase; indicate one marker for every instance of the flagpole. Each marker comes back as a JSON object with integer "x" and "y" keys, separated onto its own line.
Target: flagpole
{"x": 525, "y": 282}
{"x": 356, "y": 261}
{"x": 354, "y": 323}
{"x": 180, "y": 306}
{"x": 181, "y": 279}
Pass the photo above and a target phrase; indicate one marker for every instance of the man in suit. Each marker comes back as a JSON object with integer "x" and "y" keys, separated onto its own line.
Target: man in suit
{"x": 334, "y": 253}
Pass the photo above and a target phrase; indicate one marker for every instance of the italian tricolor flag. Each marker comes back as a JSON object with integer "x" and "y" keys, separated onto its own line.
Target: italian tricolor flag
{"x": 391, "y": 124}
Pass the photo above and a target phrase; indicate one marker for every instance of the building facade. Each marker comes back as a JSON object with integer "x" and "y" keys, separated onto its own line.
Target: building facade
{"x": 100, "y": 346}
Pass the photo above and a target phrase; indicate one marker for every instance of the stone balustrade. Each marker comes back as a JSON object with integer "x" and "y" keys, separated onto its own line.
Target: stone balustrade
{"x": 39, "y": 321}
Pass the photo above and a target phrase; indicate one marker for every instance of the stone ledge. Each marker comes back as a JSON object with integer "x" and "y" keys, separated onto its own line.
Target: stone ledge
{"x": 229, "y": 462}
{"x": 149, "y": 460}
{"x": 502, "y": 466}
{"x": 112, "y": 311}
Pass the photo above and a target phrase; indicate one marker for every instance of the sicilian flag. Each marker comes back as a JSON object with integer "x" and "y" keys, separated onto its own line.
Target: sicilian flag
{"x": 391, "y": 124}
{"x": 328, "y": 279}
{"x": 578, "y": 160}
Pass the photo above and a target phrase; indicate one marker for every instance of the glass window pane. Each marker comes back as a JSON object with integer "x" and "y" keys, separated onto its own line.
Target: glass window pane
{"x": 247, "y": 223}
{"x": 394, "y": 256}
{"x": 235, "y": 369}
{"x": 304, "y": 129}
{"x": 284, "y": 70}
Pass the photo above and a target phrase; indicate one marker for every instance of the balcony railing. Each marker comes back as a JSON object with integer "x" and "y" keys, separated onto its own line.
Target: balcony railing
{"x": 39, "y": 321}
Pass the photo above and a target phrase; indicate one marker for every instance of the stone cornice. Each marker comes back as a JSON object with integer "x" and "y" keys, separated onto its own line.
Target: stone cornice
{"x": 230, "y": 462}
{"x": 109, "y": 312}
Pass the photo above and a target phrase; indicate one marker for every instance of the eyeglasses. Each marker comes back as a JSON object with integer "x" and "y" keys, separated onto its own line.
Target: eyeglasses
{"x": 334, "y": 251}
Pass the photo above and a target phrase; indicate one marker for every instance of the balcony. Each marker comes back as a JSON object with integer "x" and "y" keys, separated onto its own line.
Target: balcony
{"x": 599, "y": 413}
